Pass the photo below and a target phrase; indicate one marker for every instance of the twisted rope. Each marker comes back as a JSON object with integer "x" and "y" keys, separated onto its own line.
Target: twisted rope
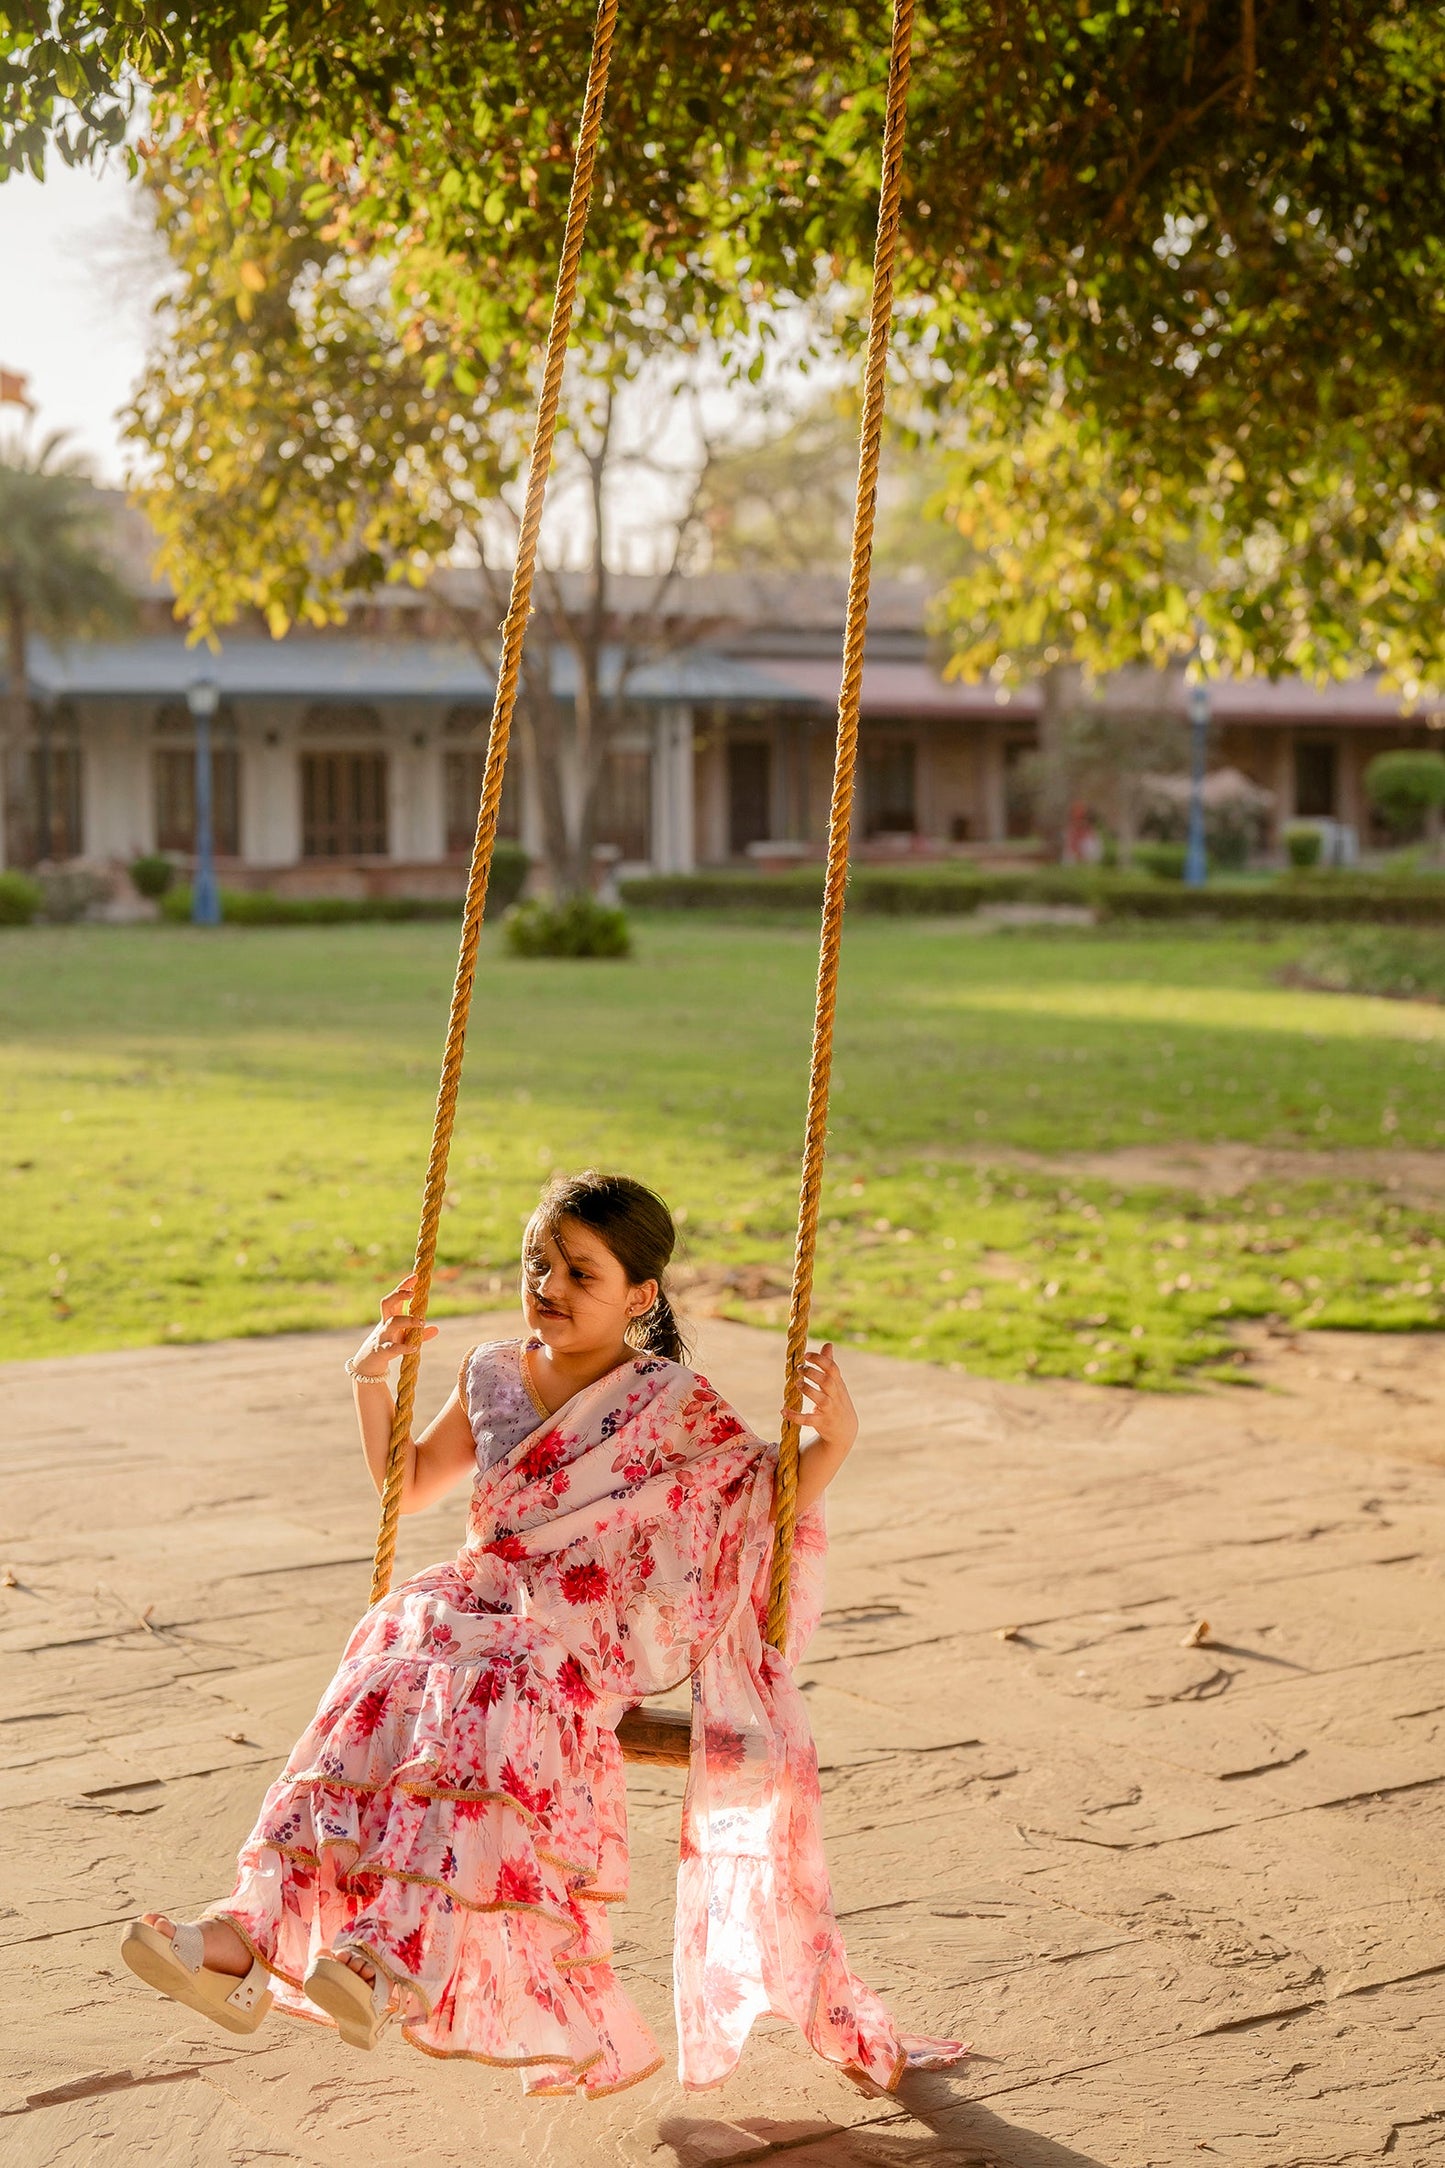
{"x": 513, "y": 631}
{"x": 840, "y": 816}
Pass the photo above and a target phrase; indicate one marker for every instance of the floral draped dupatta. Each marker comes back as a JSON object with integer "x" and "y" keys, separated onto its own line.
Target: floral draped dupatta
{"x": 456, "y": 1810}
{"x": 636, "y": 1524}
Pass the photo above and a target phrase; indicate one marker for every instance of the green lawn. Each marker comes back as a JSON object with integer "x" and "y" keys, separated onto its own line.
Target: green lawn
{"x": 213, "y": 1134}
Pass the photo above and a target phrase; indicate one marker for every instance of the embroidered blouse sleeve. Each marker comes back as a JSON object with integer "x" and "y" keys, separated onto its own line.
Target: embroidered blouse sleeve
{"x": 494, "y": 1393}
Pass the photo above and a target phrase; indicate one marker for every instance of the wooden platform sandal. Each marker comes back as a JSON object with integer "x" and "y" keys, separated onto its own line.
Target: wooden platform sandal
{"x": 175, "y": 1964}
{"x": 360, "y": 2008}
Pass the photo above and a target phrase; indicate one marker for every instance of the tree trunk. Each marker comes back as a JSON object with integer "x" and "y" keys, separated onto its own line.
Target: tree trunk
{"x": 1060, "y": 693}
{"x": 14, "y": 712}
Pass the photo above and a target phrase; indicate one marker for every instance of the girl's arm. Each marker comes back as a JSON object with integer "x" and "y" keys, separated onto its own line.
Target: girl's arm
{"x": 834, "y": 1421}
{"x": 439, "y": 1458}
{"x": 446, "y": 1449}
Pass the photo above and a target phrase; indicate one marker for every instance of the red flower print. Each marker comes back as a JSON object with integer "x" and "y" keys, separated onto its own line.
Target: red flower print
{"x": 726, "y": 1749}
{"x": 449, "y": 1865}
{"x": 518, "y": 1883}
{"x": 390, "y": 1634}
{"x": 511, "y": 1549}
{"x": 586, "y": 1583}
{"x": 538, "y": 1799}
{"x": 492, "y": 1682}
{"x": 546, "y": 1456}
{"x": 515, "y": 1785}
{"x": 572, "y": 1684}
{"x": 411, "y": 1952}
{"x": 440, "y": 1637}
{"x": 675, "y": 1497}
{"x": 369, "y": 1712}
{"x": 469, "y": 1810}
{"x": 722, "y": 1992}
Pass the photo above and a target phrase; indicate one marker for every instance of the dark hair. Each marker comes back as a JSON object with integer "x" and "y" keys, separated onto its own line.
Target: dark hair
{"x": 637, "y": 1227}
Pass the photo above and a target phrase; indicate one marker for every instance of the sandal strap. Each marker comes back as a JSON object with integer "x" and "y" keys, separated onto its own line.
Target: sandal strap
{"x": 381, "y": 1986}
{"x": 189, "y": 1943}
{"x": 248, "y": 1992}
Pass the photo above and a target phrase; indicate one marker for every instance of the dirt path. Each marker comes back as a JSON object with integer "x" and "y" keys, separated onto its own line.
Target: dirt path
{"x": 1226, "y": 1170}
{"x": 1188, "y": 1902}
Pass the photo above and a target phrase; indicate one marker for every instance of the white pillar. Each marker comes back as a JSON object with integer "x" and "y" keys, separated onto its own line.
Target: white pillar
{"x": 270, "y": 786}
{"x": 417, "y": 827}
{"x": 673, "y": 847}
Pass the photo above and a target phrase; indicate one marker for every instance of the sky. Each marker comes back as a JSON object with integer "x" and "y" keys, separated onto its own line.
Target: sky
{"x": 76, "y": 288}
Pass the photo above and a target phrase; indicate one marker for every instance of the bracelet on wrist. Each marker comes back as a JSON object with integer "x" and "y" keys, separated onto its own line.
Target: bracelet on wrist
{"x": 364, "y": 1377}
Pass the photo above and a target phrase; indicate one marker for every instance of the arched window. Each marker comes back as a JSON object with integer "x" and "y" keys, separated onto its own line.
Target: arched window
{"x": 56, "y": 827}
{"x": 344, "y": 791}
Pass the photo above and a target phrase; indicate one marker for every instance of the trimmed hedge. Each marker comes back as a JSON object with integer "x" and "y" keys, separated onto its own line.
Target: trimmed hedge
{"x": 799, "y": 889}
{"x": 936, "y": 891}
{"x": 1344, "y": 900}
{"x": 927, "y": 892}
{"x": 258, "y": 907}
{"x": 246, "y": 907}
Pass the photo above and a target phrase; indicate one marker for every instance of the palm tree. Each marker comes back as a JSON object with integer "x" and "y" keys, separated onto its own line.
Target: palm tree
{"x": 56, "y": 580}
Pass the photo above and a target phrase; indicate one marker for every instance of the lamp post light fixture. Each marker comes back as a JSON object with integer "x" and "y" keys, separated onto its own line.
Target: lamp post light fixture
{"x": 1196, "y": 861}
{"x": 203, "y": 698}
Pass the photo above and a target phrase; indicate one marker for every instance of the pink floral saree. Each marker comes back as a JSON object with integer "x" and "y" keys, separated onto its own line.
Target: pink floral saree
{"x": 457, "y": 1809}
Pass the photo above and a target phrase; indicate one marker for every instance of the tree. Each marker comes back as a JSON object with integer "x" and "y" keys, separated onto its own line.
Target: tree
{"x": 779, "y": 496}
{"x": 1193, "y": 221}
{"x": 56, "y": 579}
{"x": 1103, "y": 757}
{"x": 302, "y": 451}
{"x": 1085, "y": 544}
{"x": 1200, "y": 241}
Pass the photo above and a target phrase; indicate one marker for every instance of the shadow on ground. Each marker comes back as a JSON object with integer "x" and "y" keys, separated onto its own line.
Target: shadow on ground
{"x": 955, "y": 2135}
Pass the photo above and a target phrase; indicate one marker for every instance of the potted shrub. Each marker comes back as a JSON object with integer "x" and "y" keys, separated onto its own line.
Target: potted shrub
{"x": 151, "y": 875}
{"x": 1303, "y": 845}
{"x": 1407, "y": 790}
{"x": 570, "y": 926}
{"x": 20, "y": 899}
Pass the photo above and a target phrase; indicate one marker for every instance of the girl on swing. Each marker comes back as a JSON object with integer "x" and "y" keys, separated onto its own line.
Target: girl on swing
{"x": 446, "y": 1838}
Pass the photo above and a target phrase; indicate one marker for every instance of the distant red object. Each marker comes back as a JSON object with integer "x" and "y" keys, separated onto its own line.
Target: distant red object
{"x": 14, "y": 390}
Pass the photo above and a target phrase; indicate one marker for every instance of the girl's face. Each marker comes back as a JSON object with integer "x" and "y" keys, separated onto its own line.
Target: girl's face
{"x": 576, "y": 1297}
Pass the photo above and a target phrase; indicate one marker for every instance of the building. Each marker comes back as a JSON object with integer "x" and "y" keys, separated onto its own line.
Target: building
{"x": 351, "y": 759}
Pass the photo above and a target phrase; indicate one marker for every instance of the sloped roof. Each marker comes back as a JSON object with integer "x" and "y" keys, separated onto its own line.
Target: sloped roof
{"x": 350, "y": 666}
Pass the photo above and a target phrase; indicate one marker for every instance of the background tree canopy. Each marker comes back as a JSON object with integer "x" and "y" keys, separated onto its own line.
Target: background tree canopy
{"x": 1213, "y": 213}
{"x": 1200, "y": 233}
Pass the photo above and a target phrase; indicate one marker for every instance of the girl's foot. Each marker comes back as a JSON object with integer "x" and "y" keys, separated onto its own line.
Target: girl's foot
{"x": 353, "y": 1994}
{"x": 224, "y": 1951}
{"x": 203, "y": 1964}
{"x": 222, "y": 1948}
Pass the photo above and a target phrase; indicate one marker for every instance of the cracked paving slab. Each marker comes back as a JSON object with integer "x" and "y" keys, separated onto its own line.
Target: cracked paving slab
{"x": 1188, "y": 1902}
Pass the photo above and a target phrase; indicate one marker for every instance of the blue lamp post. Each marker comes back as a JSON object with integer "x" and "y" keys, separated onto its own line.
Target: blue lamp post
{"x": 1196, "y": 862}
{"x": 203, "y": 699}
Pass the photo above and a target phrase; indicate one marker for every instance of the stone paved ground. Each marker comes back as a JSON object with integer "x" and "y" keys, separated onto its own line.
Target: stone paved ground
{"x": 1187, "y": 1902}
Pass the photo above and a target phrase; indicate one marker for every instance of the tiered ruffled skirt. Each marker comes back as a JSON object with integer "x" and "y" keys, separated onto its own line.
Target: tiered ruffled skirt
{"x": 456, "y": 1812}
